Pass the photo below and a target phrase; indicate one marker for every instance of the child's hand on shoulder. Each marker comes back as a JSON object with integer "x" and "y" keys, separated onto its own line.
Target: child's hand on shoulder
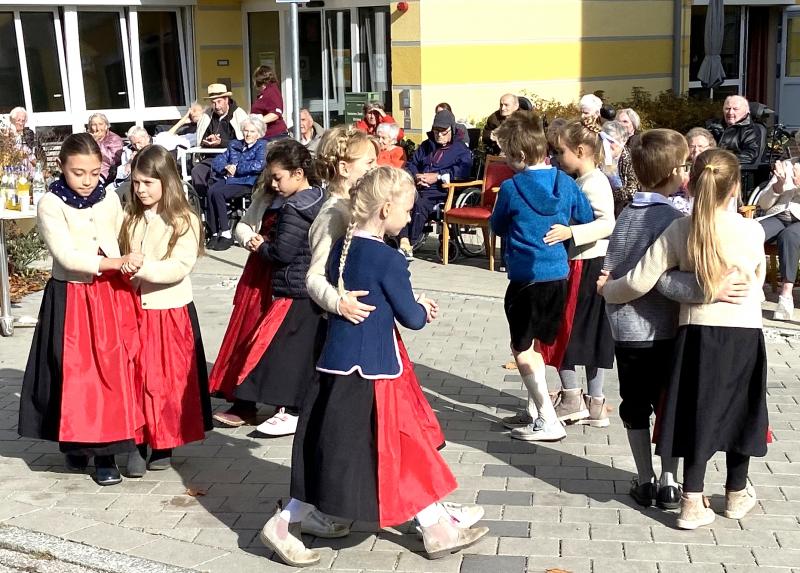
{"x": 601, "y": 281}
{"x": 557, "y": 234}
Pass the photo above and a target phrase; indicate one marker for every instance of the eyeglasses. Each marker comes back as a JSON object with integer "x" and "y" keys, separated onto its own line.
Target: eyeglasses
{"x": 442, "y": 131}
{"x": 685, "y": 166}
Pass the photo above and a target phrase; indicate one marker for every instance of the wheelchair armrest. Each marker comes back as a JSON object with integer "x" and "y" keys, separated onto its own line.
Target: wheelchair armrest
{"x": 453, "y": 185}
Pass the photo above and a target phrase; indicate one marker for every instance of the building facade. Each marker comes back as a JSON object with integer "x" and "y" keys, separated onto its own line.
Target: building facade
{"x": 144, "y": 61}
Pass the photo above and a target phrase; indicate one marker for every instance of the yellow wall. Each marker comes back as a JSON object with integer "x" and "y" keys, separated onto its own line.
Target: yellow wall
{"x": 218, "y": 36}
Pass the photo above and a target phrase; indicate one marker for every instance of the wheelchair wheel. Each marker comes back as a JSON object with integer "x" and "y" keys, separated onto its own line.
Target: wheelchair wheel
{"x": 454, "y": 251}
{"x": 194, "y": 199}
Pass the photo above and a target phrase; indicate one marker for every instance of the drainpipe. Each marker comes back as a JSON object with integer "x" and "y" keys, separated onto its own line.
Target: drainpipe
{"x": 677, "y": 45}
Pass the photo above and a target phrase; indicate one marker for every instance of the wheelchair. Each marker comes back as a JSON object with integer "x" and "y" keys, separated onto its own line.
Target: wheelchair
{"x": 464, "y": 241}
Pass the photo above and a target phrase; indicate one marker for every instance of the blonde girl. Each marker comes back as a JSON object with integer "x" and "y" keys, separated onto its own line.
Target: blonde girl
{"x": 363, "y": 450}
{"x": 585, "y": 337}
{"x": 716, "y": 398}
{"x": 172, "y": 377}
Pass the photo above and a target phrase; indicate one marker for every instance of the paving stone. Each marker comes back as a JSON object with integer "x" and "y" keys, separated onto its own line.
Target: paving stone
{"x": 493, "y": 564}
{"x": 777, "y": 557}
{"x": 579, "y": 548}
{"x": 504, "y": 497}
{"x": 503, "y": 528}
{"x": 367, "y": 560}
{"x": 534, "y": 546}
{"x": 177, "y": 553}
{"x": 721, "y": 554}
{"x": 51, "y": 521}
{"x": 111, "y": 537}
{"x": 655, "y": 552}
{"x": 620, "y": 566}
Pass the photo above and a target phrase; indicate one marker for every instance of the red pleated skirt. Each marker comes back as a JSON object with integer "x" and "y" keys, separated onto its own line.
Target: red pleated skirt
{"x": 100, "y": 347}
{"x": 169, "y": 384}
{"x": 251, "y": 303}
{"x": 553, "y": 354}
{"x": 369, "y": 449}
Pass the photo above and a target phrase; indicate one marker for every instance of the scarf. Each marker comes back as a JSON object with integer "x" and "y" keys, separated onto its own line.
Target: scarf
{"x": 60, "y": 188}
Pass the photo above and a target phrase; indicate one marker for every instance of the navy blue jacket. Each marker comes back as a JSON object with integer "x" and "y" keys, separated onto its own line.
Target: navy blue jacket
{"x": 287, "y": 248}
{"x": 370, "y": 348}
{"x": 249, "y": 162}
{"x": 527, "y": 206}
{"x": 454, "y": 159}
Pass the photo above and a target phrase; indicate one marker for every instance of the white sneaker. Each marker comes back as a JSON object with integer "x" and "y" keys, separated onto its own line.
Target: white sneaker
{"x": 785, "y": 308}
{"x": 540, "y": 431}
{"x": 281, "y": 424}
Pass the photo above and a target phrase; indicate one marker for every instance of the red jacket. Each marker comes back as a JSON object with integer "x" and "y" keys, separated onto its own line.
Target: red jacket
{"x": 362, "y": 125}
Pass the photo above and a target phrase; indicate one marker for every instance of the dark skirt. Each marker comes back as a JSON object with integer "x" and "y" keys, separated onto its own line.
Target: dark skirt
{"x": 590, "y": 340}
{"x": 282, "y": 364}
{"x": 173, "y": 378}
{"x": 85, "y": 401}
{"x": 716, "y": 400}
{"x": 368, "y": 449}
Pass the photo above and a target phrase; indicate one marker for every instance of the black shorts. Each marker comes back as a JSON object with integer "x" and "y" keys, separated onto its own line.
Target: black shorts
{"x": 534, "y": 312}
{"x": 644, "y": 373}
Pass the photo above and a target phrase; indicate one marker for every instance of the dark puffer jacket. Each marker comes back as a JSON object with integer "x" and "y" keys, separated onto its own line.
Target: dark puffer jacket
{"x": 742, "y": 140}
{"x": 287, "y": 248}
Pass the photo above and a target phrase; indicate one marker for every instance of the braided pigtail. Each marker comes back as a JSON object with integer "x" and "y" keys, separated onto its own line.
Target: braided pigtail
{"x": 592, "y": 126}
{"x": 348, "y": 239}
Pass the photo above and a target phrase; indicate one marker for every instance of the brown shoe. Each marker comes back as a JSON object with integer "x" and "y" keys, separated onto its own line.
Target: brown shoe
{"x": 234, "y": 417}
{"x": 286, "y": 541}
{"x": 571, "y": 408}
{"x": 695, "y": 512}
{"x": 444, "y": 538}
{"x": 598, "y": 415}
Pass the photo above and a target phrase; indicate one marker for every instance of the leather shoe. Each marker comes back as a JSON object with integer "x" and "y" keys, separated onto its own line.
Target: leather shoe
{"x": 318, "y": 524}
{"x": 160, "y": 460}
{"x": 76, "y": 462}
{"x": 222, "y": 244}
{"x": 669, "y": 497}
{"x": 643, "y": 493}
{"x": 137, "y": 466}
{"x": 107, "y": 476}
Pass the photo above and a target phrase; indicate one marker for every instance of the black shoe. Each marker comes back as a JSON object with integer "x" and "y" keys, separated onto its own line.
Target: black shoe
{"x": 160, "y": 460}
{"x": 644, "y": 494}
{"x": 76, "y": 462}
{"x": 222, "y": 244}
{"x": 669, "y": 497}
{"x": 106, "y": 471}
{"x": 211, "y": 242}
{"x": 137, "y": 465}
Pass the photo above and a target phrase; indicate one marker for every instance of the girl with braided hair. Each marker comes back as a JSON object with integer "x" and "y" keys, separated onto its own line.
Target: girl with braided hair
{"x": 585, "y": 336}
{"x": 362, "y": 449}
{"x": 716, "y": 397}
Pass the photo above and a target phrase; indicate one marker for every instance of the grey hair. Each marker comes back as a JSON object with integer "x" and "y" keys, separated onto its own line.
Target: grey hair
{"x": 514, "y": 98}
{"x": 591, "y": 102}
{"x": 615, "y": 131}
{"x": 633, "y": 116}
{"x": 256, "y": 121}
{"x": 98, "y": 115}
{"x": 391, "y": 129}
{"x": 701, "y": 132}
{"x": 138, "y": 130}
{"x": 735, "y": 97}
{"x": 16, "y": 111}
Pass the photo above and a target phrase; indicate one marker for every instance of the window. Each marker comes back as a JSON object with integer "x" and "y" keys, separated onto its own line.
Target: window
{"x": 793, "y": 47}
{"x": 105, "y": 83}
{"x": 11, "y": 93}
{"x": 341, "y": 66}
{"x": 42, "y": 60}
{"x": 264, "y": 30}
{"x": 160, "y": 56}
{"x": 731, "y": 54}
{"x": 375, "y": 58}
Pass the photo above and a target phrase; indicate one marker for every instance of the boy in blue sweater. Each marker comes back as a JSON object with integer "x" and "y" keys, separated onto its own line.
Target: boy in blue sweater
{"x": 528, "y": 205}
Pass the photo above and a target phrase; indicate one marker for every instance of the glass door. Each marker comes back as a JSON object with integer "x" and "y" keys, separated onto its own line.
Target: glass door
{"x": 312, "y": 69}
{"x": 789, "y": 112}
{"x": 340, "y": 62}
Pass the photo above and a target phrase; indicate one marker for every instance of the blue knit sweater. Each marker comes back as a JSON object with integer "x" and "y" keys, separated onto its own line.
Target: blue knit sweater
{"x": 527, "y": 206}
{"x": 370, "y": 348}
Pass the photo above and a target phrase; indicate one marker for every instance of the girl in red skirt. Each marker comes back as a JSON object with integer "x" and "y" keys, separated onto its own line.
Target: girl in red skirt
{"x": 362, "y": 449}
{"x": 251, "y": 302}
{"x": 78, "y": 386}
{"x": 165, "y": 236}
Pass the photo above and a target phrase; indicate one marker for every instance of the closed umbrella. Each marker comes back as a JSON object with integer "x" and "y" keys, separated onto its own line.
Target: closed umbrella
{"x": 711, "y": 73}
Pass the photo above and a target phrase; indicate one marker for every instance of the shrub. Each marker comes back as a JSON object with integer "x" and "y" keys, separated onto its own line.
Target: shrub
{"x": 23, "y": 249}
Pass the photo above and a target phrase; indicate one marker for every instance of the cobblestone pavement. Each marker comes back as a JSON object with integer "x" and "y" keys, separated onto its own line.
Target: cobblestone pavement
{"x": 562, "y": 505}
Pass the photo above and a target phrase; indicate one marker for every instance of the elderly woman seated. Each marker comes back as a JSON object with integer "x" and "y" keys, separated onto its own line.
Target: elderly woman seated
{"x": 390, "y": 153}
{"x": 138, "y": 139}
{"x": 781, "y": 201}
{"x": 110, "y": 143}
{"x": 699, "y": 139}
{"x": 235, "y": 172}
{"x": 619, "y": 166}
{"x": 24, "y": 138}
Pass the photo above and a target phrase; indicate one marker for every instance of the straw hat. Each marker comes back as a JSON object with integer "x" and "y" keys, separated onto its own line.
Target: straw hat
{"x": 217, "y": 90}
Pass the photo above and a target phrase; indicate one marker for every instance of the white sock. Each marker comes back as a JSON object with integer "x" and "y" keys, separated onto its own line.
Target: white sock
{"x": 533, "y": 411}
{"x": 639, "y": 441}
{"x": 669, "y": 467}
{"x": 430, "y": 515}
{"x": 536, "y": 384}
{"x": 227, "y": 234}
{"x": 296, "y": 510}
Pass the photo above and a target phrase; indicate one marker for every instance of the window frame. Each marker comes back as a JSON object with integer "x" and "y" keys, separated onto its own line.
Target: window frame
{"x": 737, "y": 82}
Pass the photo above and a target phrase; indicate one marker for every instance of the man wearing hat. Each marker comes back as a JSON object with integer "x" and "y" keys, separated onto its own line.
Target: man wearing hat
{"x": 439, "y": 159}
{"x": 219, "y": 124}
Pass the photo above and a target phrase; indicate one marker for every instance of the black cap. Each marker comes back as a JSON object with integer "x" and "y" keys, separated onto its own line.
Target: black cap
{"x": 444, "y": 119}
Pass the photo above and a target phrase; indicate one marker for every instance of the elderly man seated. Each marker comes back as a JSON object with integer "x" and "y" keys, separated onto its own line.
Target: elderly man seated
{"x": 216, "y": 128}
{"x": 310, "y": 131}
{"x": 438, "y": 160}
{"x": 509, "y": 103}
{"x": 740, "y": 137}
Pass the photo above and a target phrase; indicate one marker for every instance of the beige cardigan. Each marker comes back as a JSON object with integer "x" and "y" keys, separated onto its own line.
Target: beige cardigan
{"x": 164, "y": 283}
{"x": 250, "y": 223}
{"x": 743, "y": 247}
{"x": 75, "y": 236}
{"x": 590, "y": 240}
{"x": 329, "y": 226}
